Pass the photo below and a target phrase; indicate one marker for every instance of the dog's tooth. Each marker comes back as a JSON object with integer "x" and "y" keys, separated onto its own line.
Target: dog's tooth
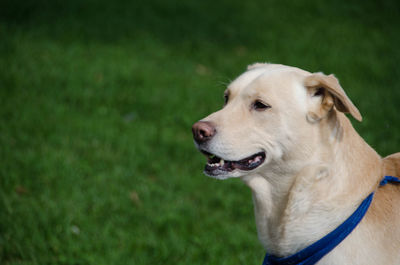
{"x": 222, "y": 162}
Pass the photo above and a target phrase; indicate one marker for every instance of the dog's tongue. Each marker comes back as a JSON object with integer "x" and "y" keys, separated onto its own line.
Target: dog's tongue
{"x": 248, "y": 163}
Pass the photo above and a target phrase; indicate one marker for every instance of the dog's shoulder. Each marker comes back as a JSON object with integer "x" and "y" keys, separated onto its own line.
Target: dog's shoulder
{"x": 387, "y": 198}
{"x": 384, "y": 212}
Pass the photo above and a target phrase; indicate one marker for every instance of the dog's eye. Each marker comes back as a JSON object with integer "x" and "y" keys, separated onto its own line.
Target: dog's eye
{"x": 258, "y": 105}
{"x": 226, "y": 98}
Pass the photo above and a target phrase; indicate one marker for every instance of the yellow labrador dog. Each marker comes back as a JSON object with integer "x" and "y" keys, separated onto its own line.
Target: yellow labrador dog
{"x": 284, "y": 133}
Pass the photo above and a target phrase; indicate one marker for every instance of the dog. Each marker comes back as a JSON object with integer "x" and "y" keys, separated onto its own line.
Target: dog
{"x": 284, "y": 132}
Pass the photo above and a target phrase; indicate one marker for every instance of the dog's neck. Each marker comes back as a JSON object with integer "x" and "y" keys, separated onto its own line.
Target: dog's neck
{"x": 298, "y": 204}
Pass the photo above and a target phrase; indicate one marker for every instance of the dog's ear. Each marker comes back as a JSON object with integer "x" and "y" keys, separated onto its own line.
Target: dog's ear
{"x": 328, "y": 89}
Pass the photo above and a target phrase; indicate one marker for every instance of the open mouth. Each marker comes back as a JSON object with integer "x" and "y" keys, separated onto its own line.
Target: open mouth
{"x": 217, "y": 166}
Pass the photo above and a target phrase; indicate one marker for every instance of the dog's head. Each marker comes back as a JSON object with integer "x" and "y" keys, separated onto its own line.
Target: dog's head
{"x": 271, "y": 113}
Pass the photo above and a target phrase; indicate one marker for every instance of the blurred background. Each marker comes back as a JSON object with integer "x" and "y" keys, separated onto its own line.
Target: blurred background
{"x": 97, "y": 99}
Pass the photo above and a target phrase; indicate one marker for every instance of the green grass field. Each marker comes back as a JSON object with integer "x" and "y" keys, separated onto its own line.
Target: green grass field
{"x": 97, "y": 99}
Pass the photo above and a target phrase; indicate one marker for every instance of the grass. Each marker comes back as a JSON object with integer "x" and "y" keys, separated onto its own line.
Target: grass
{"x": 96, "y": 103}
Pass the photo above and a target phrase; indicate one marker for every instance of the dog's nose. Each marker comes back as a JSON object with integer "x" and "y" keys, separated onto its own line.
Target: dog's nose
{"x": 203, "y": 131}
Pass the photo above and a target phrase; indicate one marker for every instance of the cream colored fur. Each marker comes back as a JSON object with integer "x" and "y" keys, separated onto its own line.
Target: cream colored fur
{"x": 317, "y": 168}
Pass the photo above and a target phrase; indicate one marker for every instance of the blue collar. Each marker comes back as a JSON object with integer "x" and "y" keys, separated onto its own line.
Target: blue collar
{"x": 313, "y": 253}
